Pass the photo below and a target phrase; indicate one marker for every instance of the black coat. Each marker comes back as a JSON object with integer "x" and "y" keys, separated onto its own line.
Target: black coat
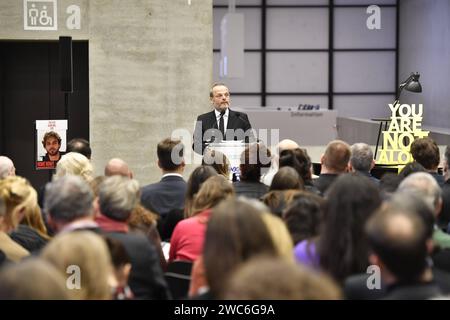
{"x": 146, "y": 277}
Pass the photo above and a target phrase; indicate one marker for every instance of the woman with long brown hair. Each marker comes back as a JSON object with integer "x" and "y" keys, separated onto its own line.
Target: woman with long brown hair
{"x": 187, "y": 238}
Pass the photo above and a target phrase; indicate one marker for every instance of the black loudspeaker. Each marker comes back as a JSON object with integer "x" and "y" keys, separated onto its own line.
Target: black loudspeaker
{"x": 65, "y": 64}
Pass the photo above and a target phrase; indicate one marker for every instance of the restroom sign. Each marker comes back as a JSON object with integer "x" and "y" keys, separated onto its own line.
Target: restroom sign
{"x": 40, "y": 15}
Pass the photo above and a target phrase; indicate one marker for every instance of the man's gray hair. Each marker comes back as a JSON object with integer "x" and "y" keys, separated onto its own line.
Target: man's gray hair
{"x": 118, "y": 196}
{"x": 68, "y": 198}
{"x": 6, "y": 167}
{"x": 423, "y": 184}
{"x": 361, "y": 157}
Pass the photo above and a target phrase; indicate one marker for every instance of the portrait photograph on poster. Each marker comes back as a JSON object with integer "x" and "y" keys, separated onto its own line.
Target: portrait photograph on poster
{"x": 50, "y": 143}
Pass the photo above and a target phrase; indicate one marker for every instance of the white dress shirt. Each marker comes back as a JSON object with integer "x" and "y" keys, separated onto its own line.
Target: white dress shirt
{"x": 225, "y": 119}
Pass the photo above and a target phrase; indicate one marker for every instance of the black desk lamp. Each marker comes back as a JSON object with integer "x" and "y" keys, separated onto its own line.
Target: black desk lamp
{"x": 411, "y": 84}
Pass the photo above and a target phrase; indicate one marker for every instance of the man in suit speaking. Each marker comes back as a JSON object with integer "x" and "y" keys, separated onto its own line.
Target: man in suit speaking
{"x": 221, "y": 123}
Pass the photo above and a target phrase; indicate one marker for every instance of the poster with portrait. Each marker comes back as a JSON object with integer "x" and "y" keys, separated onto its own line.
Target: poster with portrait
{"x": 50, "y": 143}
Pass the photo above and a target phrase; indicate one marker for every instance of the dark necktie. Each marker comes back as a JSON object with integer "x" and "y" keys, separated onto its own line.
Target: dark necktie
{"x": 222, "y": 125}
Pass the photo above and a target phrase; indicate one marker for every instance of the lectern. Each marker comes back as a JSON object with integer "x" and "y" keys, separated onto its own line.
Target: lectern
{"x": 232, "y": 150}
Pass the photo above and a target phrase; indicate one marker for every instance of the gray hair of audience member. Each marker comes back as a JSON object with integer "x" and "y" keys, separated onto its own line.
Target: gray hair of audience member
{"x": 68, "y": 198}
{"x": 118, "y": 196}
{"x": 361, "y": 157}
{"x": 423, "y": 184}
{"x": 32, "y": 279}
{"x": 447, "y": 155}
{"x": 6, "y": 167}
{"x": 413, "y": 202}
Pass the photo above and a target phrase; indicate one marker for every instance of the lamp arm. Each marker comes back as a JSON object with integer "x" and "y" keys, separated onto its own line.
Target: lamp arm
{"x": 403, "y": 85}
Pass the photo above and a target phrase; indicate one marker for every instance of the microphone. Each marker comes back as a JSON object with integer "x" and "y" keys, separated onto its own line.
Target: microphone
{"x": 243, "y": 118}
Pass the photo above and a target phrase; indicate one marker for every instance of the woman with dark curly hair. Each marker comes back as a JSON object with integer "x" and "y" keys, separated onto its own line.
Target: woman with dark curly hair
{"x": 342, "y": 249}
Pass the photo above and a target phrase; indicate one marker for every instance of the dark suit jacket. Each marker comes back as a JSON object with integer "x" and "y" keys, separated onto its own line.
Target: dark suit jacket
{"x": 146, "y": 277}
{"x": 165, "y": 195}
{"x": 254, "y": 190}
{"x": 324, "y": 181}
{"x": 207, "y": 121}
{"x": 355, "y": 288}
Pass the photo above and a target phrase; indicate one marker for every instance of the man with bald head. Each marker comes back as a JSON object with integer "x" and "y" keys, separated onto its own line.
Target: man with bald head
{"x": 399, "y": 241}
{"x": 285, "y": 144}
{"x": 118, "y": 167}
{"x": 334, "y": 162}
{"x": 6, "y": 167}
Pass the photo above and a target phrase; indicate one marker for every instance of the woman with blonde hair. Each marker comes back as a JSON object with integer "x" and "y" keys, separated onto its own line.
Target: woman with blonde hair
{"x": 76, "y": 164}
{"x": 187, "y": 238}
{"x": 86, "y": 257}
{"x": 280, "y": 236}
{"x": 21, "y": 201}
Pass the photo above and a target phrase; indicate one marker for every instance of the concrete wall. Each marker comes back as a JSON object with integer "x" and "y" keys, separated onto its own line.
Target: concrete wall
{"x": 425, "y": 47}
{"x": 150, "y": 68}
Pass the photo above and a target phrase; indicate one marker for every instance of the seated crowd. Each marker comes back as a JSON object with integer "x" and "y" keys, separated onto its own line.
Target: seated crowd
{"x": 340, "y": 234}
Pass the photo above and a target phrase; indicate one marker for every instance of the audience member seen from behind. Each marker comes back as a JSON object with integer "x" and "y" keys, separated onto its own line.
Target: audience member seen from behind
{"x": 80, "y": 145}
{"x": 9, "y": 219}
{"x": 266, "y": 278}
{"x": 20, "y": 196}
{"x": 218, "y": 161}
{"x": 87, "y": 258}
{"x": 303, "y": 217}
{"x": 280, "y": 236}
{"x": 167, "y": 194}
{"x": 362, "y": 161}
{"x": 285, "y": 144}
{"x": 253, "y": 158}
{"x": 7, "y": 167}
{"x": 33, "y": 279}
{"x": 334, "y": 163}
{"x": 119, "y": 167}
{"x": 388, "y": 184}
{"x": 285, "y": 179}
{"x": 121, "y": 270}
{"x": 144, "y": 222}
{"x": 301, "y": 162}
{"x": 197, "y": 178}
{"x": 424, "y": 185}
{"x": 277, "y": 201}
{"x": 426, "y": 152}
{"x": 410, "y": 168}
{"x": 76, "y": 164}
{"x": 236, "y": 232}
{"x": 341, "y": 249}
{"x": 187, "y": 240}
{"x": 69, "y": 205}
{"x": 117, "y": 198}
{"x": 399, "y": 244}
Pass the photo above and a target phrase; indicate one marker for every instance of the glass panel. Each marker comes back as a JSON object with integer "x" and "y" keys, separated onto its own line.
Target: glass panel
{"x": 364, "y": 2}
{"x": 245, "y": 101}
{"x": 350, "y": 29}
{"x": 297, "y": 2}
{"x": 251, "y": 82}
{"x": 252, "y": 18}
{"x": 303, "y": 28}
{"x": 238, "y": 2}
{"x": 297, "y": 72}
{"x": 366, "y": 107}
{"x": 364, "y": 71}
